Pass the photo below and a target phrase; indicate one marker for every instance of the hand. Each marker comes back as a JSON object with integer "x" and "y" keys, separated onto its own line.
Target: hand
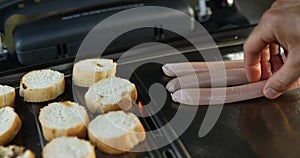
{"x": 279, "y": 25}
{"x": 272, "y": 127}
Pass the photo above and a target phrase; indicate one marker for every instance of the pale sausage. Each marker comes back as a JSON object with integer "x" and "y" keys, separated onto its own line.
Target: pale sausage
{"x": 203, "y": 96}
{"x": 185, "y": 68}
{"x": 204, "y": 80}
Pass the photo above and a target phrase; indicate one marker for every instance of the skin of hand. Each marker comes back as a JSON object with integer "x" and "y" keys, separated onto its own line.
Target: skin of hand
{"x": 279, "y": 25}
{"x": 272, "y": 127}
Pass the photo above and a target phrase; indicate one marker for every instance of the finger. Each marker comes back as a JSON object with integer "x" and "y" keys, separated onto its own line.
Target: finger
{"x": 258, "y": 40}
{"x": 203, "y": 96}
{"x": 275, "y": 58}
{"x": 282, "y": 79}
{"x": 266, "y": 71}
{"x": 252, "y": 57}
{"x": 296, "y": 84}
{"x": 204, "y": 80}
{"x": 186, "y": 68}
{"x": 280, "y": 4}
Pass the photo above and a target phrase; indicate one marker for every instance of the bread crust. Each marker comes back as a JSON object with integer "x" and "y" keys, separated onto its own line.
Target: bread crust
{"x": 51, "y": 133}
{"x": 15, "y": 151}
{"x": 79, "y": 131}
{"x": 10, "y": 134}
{"x": 126, "y": 141}
{"x": 29, "y": 154}
{"x": 47, "y": 154}
{"x": 36, "y": 95}
{"x": 84, "y": 78}
{"x": 125, "y": 103}
{"x": 8, "y": 99}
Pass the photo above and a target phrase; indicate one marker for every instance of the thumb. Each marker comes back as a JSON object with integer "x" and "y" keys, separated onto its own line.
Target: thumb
{"x": 282, "y": 79}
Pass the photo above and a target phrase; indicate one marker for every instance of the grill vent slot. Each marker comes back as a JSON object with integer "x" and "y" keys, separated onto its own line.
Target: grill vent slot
{"x": 168, "y": 153}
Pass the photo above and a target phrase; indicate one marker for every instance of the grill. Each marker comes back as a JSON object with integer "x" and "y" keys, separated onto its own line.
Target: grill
{"x": 224, "y": 140}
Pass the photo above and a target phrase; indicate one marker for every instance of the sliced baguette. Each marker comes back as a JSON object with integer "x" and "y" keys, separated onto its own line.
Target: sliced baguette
{"x": 63, "y": 119}
{"x": 110, "y": 94}
{"x": 7, "y": 96}
{"x": 14, "y": 151}
{"x": 42, "y": 85}
{"x": 69, "y": 147}
{"x": 89, "y": 71}
{"x": 116, "y": 132}
{"x": 10, "y": 124}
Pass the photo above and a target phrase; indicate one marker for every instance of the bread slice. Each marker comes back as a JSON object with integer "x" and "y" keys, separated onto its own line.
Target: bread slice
{"x": 10, "y": 124}
{"x": 7, "y": 96}
{"x": 89, "y": 71}
{"x": 69, "y": 147}
{"x": 42, "y": 85}
{"x": 14, "y": 151}
{"x": 116, "y": 132}
{"x": 110, "y": 94}
{"x": 63, "y": 119}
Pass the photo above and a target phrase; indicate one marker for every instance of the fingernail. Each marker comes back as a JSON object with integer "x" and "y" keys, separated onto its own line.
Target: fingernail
{"x": 174, "y": 97}
{"x": 170, "y": 88}
{"x": 171, "y": 85}
{"x": 166, "y": 69}
{"x": 271, "y": 93}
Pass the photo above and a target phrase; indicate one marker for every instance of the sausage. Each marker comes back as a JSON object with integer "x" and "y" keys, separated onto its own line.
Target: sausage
{"x": 185, "y": 68}
{"x": 204, "y": 80}
{"x": 203, "y": 96}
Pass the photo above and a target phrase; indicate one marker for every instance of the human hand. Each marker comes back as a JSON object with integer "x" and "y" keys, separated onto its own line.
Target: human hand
{"x": 279, "y": 25}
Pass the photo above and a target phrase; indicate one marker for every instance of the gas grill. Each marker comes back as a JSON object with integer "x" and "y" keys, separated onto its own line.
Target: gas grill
{"x": 230, "y": 137}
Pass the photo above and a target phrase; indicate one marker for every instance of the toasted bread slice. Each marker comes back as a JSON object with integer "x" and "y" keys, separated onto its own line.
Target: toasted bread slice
{"x": 42, "y": 85}
{"x": 110, "y": 94}
{"x": 116, "y": 132}
{"x": 10, "y": 124}
{"x": 63, "y": 119}
{"x": 89, "y": 71}
{"x": 14, "y": 151}
{"x": 7, "y": 96}
{"x": 69, "y": 147}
